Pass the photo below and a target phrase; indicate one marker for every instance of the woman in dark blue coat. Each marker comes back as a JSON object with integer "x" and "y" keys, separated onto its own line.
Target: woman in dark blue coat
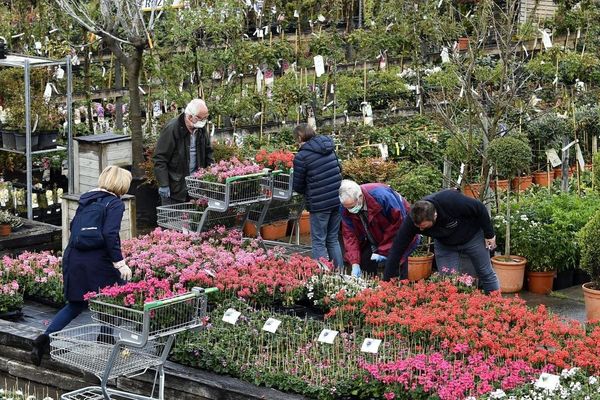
{"x": 90, "y": 270}
{"x": 317, "y": 175}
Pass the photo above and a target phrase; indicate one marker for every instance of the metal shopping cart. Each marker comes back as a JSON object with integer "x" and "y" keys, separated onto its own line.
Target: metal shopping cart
{"x": 227, "y": 203}
{"x": 188, "y": 217}
{"x": 125, "y": 342}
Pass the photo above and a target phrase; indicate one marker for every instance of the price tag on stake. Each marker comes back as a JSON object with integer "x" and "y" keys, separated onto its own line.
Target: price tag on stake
{"x": 579, "y": 155}
{"x": 327, "y": 336}
{"x": 271, "y": 325}
{"x": 370, "y": 345}
{"x": 231, "y": 316}
{"x": 553, "y": 157}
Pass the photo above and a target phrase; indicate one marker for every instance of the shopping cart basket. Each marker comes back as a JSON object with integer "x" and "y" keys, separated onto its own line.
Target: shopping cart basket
{"x": 125, "y": 341}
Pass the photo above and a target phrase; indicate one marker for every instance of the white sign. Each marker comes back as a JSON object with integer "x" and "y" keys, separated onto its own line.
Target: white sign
{"x": 553, "y": 157}
{"x": 579, "y": 157}
{"x": 370, "y": 346}
{"x": 231, "y": 316}
{"x": 319, "y": 65}
{"x": 547, "y": 381}
{"x": 271, "y": 325}
{"x": 327, "y": 336}
{"x": 149, "y": 5}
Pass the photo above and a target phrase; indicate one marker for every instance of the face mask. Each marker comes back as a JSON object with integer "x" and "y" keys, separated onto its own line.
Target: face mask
{"x": 355, "y": 209}
{"x": 200, "y": 124}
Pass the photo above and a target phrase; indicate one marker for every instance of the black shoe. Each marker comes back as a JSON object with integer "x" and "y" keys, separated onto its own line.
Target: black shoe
{"x": 40, "y": 346}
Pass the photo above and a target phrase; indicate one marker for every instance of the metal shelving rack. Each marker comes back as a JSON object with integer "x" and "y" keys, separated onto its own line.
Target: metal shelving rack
{"x": 27, "y": 63}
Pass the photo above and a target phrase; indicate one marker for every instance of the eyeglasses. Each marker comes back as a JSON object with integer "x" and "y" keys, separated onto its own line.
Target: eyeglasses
{"x": 196, "y": 118}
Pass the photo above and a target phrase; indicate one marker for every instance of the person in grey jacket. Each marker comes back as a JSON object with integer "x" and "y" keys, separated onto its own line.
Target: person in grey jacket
{"x": 182, "y": 148}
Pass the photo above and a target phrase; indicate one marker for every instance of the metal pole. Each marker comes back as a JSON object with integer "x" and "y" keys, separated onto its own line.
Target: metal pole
{"x": 28, "y": 141}
{"x": 71, "y": 155}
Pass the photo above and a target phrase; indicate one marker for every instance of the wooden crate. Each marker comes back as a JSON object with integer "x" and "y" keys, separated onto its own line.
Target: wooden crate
{"x": 69, "y": 207}
{"x": 94, "y": 153}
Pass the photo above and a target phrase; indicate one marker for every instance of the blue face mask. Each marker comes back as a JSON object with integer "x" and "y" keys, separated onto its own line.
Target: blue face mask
{"x": 355, "y": 209}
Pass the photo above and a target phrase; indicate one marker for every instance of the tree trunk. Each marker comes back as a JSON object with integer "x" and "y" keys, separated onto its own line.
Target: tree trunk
{"x": 134, "y": 67}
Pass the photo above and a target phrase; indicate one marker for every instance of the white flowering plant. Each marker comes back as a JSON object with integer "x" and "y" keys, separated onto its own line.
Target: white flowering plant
{"x": 327, "y": 290}
{"x": 19, "y": 394}
{"x": 574, "y": 384}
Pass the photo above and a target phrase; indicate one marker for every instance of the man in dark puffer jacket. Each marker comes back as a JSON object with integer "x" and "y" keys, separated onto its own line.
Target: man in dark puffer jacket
{"x": 317, "y": 175}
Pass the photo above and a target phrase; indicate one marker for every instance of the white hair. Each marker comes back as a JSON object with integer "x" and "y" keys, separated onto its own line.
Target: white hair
{"x": 349, "y": 190}
{"x": 193, "y": 107}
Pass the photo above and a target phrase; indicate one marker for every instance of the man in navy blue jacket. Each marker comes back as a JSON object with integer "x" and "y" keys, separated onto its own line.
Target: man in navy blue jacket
{"x": 317, "y": 175}
{"x": 458, "y": 225}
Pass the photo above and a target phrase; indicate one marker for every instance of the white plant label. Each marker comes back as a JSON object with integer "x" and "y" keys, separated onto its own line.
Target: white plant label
{"x": 271, "y": 325}
{"x": 579, "y": 157}
{"x": 231, "y": 316}
{"x": 327, "y": 336}
{"x": 370, "y": 346}
{"x": 60, "y": 73}
{"x": 553, "y": 157}
{"x": 547, "y": 381}
{"x": 319, "y": 65}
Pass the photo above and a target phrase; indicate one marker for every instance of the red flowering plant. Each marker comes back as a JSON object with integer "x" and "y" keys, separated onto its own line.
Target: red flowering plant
{"x": 282, "y": 160}
{"x": 135, "y": 294}
{"x": 441, "y": 316}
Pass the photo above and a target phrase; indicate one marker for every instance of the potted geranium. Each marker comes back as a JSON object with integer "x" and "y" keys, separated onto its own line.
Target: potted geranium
{"x": 589, "y": 242}
{"x": 509, "y": 155}
{"x": 281, "y": 162}
{"x": 8, "y": 222}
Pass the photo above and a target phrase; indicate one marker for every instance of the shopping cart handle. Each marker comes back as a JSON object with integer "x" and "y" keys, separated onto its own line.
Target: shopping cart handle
{"x": 211, "y": 290}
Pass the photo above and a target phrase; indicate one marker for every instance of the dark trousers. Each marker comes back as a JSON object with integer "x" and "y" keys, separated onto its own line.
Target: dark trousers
{"x": 66, "y": 314}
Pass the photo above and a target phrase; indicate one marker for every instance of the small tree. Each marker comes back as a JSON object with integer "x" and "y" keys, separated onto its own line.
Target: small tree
{"x": 589, "y": 242}
{"x": 509, "y": 155}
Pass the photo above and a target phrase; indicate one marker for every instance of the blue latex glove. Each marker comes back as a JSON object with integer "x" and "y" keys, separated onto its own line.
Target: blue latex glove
{"x": 356, "y": 270}
{"x": 164, "y": 192}
{"x": 378, "y": 258}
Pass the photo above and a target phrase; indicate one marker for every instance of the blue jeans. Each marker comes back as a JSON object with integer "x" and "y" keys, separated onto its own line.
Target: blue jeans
{"x": 448, "y": 257}
{"x": 66, "y": 314}
{"x": 324, "y": 231}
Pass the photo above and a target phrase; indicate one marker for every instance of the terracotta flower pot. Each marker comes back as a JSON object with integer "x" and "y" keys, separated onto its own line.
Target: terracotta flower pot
{"x": 249, "y": 229}
{"x": 420, "y": 267}
{"x": 540, "y": 282}
{"x": 591, "y": 298}
{"x": 472, "y": 190}
{"x": 5, "y": 230}
{"x": 510, "y": 271}
{"x": 558, "y": 172}
{"x": 463, "y": 43}
{"x": 501, "y": 185}
{"x": 304, "y": 223}
{"x": 273, "y": 231}
{"x": 521, "y": 183}
{"x": 543, "y": 178}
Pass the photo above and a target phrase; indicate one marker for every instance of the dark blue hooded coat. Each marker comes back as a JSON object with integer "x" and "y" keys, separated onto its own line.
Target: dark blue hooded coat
{"x": 86, "y": 271}
{"x": 317, "y": 174}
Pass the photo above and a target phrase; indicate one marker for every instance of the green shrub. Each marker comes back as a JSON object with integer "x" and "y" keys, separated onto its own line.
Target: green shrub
{"x": 596, "y": 175}
{"x": 416, "y": 181}
{"x": 589, "y": 242}
{"x": 509, "y": 155}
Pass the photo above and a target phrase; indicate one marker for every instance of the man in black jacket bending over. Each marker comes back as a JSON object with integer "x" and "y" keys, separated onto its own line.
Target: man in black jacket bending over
{"x": 458, "y": 225}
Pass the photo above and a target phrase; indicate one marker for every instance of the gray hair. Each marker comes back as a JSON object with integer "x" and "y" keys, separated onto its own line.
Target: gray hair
{"x": 194, "y": 106}
{"x": 349, "y": 190}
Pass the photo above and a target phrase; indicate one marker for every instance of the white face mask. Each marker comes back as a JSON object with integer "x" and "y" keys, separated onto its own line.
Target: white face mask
{"x": 356, "y": 208}
{"x": 200, "y": 124}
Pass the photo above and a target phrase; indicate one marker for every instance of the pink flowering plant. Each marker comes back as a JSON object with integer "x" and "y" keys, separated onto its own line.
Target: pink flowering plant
{"x": 39, "y": 274}
{"x": 11, "y": 297}
{"x": 224, "y": 169}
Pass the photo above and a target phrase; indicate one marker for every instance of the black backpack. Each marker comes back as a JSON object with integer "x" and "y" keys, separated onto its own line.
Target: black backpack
{"x": 86, "y": 227}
